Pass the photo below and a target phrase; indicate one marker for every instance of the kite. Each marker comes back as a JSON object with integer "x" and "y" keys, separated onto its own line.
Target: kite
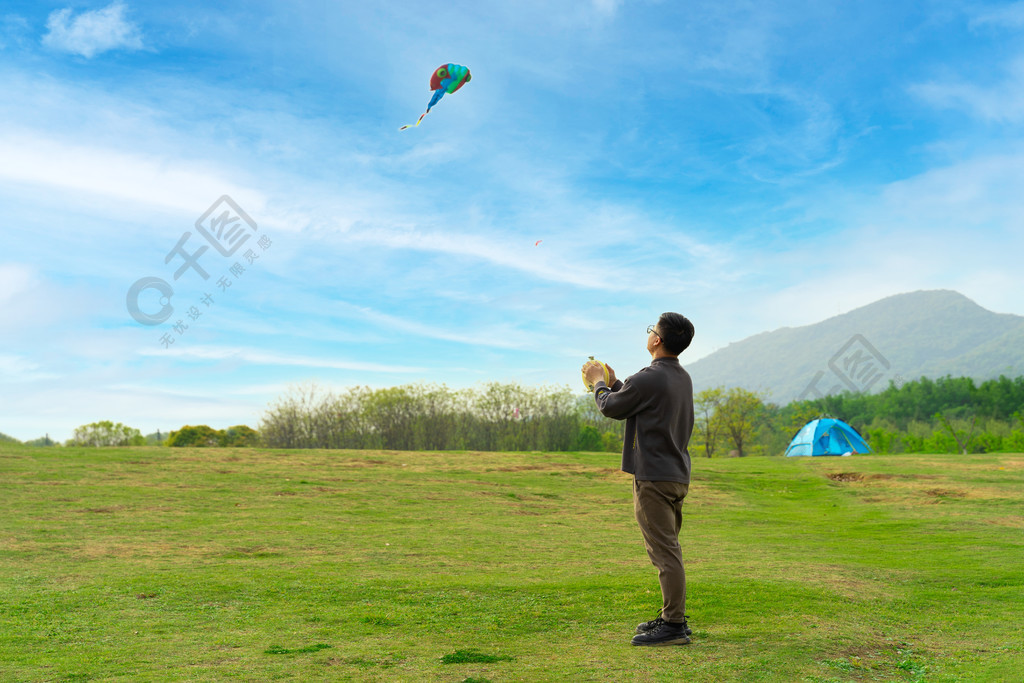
{"x": 537, "y": 242}
{"x": 447, "y": 78}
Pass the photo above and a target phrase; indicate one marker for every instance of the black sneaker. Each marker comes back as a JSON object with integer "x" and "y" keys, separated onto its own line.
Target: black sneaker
{"x": 663, "y": 634}
{"x": 654, "y": 623}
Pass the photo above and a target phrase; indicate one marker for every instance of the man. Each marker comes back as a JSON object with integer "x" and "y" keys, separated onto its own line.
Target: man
{"x": 657, "y": 404}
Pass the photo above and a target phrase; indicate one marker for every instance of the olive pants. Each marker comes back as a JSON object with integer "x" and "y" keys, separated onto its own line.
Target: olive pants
{"x": 658, "y": 507}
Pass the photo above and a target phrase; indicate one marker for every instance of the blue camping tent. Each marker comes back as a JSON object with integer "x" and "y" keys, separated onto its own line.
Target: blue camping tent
{"x": 827, "y": 436}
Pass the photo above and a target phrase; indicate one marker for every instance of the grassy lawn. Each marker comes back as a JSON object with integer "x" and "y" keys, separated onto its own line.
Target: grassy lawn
{"x": 148, "y": 564}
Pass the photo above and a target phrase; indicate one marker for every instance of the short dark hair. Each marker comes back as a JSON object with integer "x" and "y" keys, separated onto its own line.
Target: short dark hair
{"x": 676, "y": 332}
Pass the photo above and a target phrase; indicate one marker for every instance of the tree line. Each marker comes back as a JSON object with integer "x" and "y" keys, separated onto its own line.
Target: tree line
{"x": 946, "y": 415}
{"x": 105, "y": 434}
{"x": 414, "y": 417}
{"x": 498, "y": 417}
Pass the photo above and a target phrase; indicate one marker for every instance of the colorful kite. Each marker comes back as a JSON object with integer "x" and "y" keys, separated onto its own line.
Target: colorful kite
{"x": 447, "y": 78}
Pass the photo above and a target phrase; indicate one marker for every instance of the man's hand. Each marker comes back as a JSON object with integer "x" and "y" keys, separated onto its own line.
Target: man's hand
{"x": 593, "y": 372}
{"x": 611, "y": 375}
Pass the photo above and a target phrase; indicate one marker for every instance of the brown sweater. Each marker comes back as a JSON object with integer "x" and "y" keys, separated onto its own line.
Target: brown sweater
{"x": 657, "y": 405}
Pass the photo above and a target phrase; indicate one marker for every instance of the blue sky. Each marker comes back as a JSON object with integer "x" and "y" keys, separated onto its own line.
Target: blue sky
{"x": 751, "y": 165}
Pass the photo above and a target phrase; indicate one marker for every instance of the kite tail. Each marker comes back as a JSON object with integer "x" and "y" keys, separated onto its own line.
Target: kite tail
{"x": 417, "y": 121}
{"x": 438, "y": 94}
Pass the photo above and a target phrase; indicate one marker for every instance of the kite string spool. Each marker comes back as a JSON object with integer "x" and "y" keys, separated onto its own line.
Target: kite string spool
{"x": 607, "y": 375}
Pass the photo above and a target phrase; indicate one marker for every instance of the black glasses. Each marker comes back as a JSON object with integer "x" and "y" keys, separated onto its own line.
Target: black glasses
{"x": 650, "y": 328}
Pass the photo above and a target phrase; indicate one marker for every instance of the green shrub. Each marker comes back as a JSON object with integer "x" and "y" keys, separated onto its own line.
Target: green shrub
{"x": 239, "y": 435}
{"x": 199, "y": 436}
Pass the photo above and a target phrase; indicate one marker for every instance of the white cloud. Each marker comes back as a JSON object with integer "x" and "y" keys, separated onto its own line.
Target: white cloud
{"x": 519, "y": 255}
{"x": 1009, "y": 16}
{"x": 124, "y": 179}
{"x": 258, "y": 357}
{"x": 953, "y": 227}
{"x": 31, "y": 303}
{"x": 169, "y": 184}
{"x": 607, "y": 7}
{"x": 91, "y": 33}
{"x": 972, "y": 194}
{"x": 15, "y": 278}
{"x": 1000, "y": 102}
{"x": 503, "y": 337}
{"x": 15, "y": 368}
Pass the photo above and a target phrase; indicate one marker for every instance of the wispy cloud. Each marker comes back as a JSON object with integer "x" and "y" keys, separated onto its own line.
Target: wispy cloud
{"x": 951, "y": 227}
{"x": 91, "y": 33}
{"x": 1008, "y": 16}
{"x": 27, "y": 157}
{"x": 32, "y": 304}
{"x": 258, "y": 357}
{"x": 1001, "y": 101}
{"x": 16, "y": 368}
{"x": 14, "y": 31}
{"x": 501, "y": 337}
{"x": 15, "y": 278}
{"x": 799, "y": 135}
{"x": 521, "y": 255}
{"x": 607, "y": 7}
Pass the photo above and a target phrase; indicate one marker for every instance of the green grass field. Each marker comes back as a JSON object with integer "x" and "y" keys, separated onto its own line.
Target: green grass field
{"x": 149, "y": 564}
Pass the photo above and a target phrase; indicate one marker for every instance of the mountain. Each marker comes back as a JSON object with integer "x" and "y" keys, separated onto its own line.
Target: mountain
{"x": 900, "y": 338}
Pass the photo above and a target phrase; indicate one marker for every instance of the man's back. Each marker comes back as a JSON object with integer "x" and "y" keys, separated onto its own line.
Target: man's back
{"x": 657, "y": 404}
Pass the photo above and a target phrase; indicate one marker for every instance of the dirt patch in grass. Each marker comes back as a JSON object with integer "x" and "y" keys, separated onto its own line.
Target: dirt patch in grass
{"x": 860, "y": 662}
{"x": 521, "y": 468}
{"x": 363, "y": 463}
{"x": 835, "y": 579}
{"x": 95, "y": 551}
{"x": 858, "y": 476}
{"x": 561, "y": 469}
{"x": 480, "y": 482}
{"x": 946, "y": 493}
{"x": 845, "y": 476}
{"x": 933, "y": 493}
{"x": 872, "y": 648}
{"x": 1012, "y": 463}
{"x": 1012, "y": 522}
{"x": 706, "y": 496}
{"x": 911, "y": 488}
{"x": 612, "y": 472}
{"x": 13, "y": 544}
